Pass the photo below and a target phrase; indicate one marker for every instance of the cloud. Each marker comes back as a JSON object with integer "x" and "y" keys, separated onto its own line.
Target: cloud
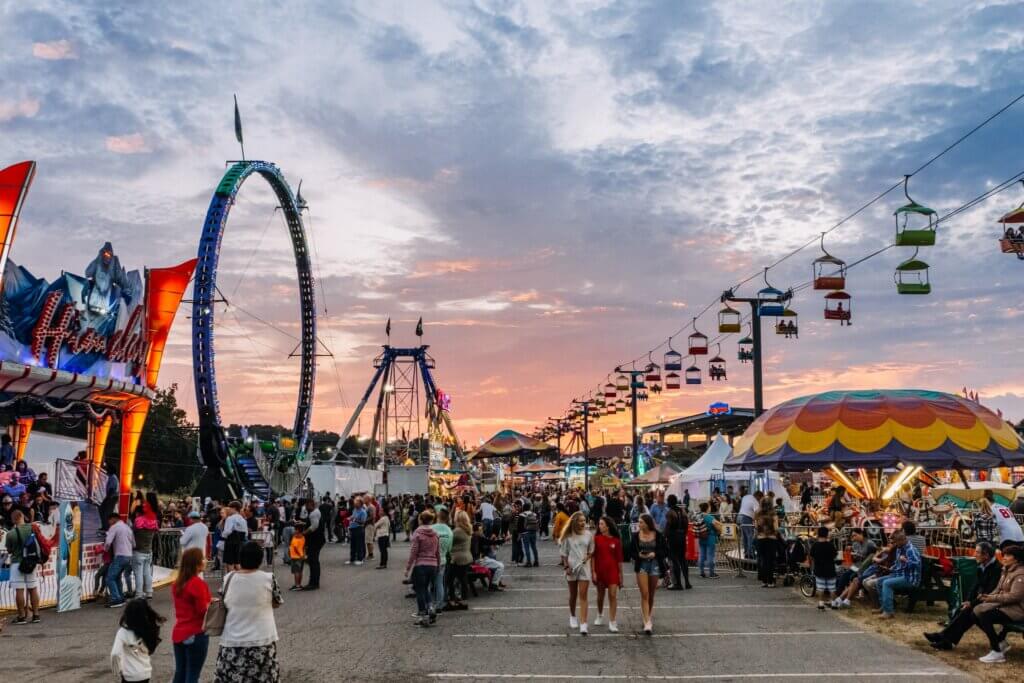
{"x": 555, "y": 187}
{"x": 54, "y": 50}
{"x": 133, "y": 143}
{"x": 26, "y": 108}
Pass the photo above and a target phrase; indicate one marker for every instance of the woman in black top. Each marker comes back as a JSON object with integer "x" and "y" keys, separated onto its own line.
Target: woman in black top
{"x": 649, "y": 551}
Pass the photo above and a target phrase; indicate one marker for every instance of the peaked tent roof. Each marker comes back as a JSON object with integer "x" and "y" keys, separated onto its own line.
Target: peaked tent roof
{"x": 662, "y": 474}
{"x": 510, "y": 442}
{"x": 711, "y": 463}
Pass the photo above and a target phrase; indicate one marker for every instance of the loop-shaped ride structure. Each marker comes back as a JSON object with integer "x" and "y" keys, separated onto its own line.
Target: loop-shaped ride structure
{"x": 222, "y": 468}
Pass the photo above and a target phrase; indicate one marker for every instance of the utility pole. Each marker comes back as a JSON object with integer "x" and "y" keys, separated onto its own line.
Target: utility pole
{"x": 586, "y": 442}
{"x": 728, "y": 296}
{"x": 634, "y": 384}
{"x": 558, "y": 433}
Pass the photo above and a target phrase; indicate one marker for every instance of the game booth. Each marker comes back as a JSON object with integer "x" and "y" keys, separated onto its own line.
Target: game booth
{"x": 77, "y": 349}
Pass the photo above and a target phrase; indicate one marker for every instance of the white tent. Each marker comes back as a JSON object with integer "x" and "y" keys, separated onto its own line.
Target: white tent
{"x": 708, "y": 471}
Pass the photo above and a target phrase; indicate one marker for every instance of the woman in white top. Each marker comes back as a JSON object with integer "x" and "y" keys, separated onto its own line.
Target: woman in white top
{"x": 248, "y": 645}
{"x": 577, "y": 547}
{"x": 234, "y": 533}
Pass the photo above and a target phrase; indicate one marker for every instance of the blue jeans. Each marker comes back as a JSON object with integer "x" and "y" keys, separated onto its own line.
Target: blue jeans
{"x": 707, "y": 555}
{"x": 488, "y": 526}
{"x": 189, "y": 659}
{"x": 142, "y": 569}
{"x": 423, "y": 576}
{"x": 529, "y": 541}
{"x": 887, "y": 586}
{"x": 438, "y": 588}
{"x": 121, "y": 564}
{"x": 747, "y": 533}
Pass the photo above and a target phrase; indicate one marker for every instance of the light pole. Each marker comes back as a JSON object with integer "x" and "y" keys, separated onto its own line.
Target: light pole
{"x": 604, "y": 430}
{"x": 558, "y": 433}
{"x": 633, "y": 386}
{"x": 586, "y": 442}
{"x": 755, "y": 322}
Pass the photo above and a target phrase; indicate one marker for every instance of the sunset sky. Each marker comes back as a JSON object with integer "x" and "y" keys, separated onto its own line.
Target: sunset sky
{"x": 556, "y": 187}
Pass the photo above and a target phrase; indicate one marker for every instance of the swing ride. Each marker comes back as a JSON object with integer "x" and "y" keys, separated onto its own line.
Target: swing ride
{"x": 1012, "y": 241}
{"x": 411, "y": 423}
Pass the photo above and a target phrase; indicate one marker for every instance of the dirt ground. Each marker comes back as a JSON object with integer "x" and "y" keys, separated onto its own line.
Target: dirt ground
{"x": 909, "y": 629}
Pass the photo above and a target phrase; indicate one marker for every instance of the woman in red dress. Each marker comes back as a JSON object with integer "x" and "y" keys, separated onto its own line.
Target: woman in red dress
{"x": 607, "y": 569}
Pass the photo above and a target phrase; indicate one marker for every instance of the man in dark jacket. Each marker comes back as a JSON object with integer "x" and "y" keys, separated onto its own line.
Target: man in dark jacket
{"x": 676, "y": 526}
{"x": 989, "y": 573}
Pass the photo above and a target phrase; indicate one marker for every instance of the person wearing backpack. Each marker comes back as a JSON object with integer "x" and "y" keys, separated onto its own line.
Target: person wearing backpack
{"x": 26, "y": 555}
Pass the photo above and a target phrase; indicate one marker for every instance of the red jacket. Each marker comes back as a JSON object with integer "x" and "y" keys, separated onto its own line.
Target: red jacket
{"x": 425, "y": 549}
{"x": 190, "y": 605}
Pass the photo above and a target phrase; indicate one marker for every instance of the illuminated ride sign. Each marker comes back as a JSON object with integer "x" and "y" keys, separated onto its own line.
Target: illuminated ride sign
{"x": 717, "y": 409}
{"x": 93, "y": 325}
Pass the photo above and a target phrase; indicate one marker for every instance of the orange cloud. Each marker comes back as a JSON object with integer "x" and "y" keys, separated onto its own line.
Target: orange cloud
{"x": 26, "y": 108}
{"x": 54, "y": 50}
{"x": 432, "y": 268}
{"x": 127, "y": 144}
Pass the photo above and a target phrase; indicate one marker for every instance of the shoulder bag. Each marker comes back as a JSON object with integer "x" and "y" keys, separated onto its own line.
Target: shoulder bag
{"x": 217, "y": 612}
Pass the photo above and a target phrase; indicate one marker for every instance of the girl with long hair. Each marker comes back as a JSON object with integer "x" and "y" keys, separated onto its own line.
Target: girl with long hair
{"x": 577, "y": 547}
{"x": 135, "y": 641}
{"x": 649, "y": 553}
{"x": 606, "y": 566}
{"x": 191, "y": 600}
{"x": 462, "y": 557}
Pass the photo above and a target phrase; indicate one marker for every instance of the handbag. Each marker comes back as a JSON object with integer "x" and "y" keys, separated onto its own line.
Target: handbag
{"x": 217, "y": 612}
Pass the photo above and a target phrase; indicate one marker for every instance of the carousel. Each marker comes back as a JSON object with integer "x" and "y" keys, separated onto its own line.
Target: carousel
{"x": 883, "y": 447}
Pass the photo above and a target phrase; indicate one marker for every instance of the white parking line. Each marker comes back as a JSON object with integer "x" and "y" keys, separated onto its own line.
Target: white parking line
{"x": 700, "y": 677}
{"x": 657, "y": 635}
{"x": 512, "y": 608}
{"x": 633, "y": 588}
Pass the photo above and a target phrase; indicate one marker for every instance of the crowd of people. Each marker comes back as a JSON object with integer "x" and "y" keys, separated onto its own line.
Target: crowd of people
{"x": 453, "y": 542}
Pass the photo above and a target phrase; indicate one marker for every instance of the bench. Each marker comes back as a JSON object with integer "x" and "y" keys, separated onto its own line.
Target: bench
{"x": 932, "y": 588}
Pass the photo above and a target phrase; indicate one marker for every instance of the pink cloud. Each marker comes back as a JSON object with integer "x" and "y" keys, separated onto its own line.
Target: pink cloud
{"x": 54, "y": 50}
{"x": 26, "y": 108}
{"x": 133, "y": 143}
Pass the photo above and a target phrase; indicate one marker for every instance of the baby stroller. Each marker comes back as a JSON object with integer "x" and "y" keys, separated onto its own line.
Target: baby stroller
{"x": 798, "y": 568}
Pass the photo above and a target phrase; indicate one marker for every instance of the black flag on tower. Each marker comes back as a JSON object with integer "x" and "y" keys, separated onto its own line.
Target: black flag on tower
{"x": 387, "y": 329}
{"x": 238, "y": 128}
{"x": 419, "y": 327}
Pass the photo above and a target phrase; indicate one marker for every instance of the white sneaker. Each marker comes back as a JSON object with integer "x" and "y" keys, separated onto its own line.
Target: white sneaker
{"x": 599, "y": 620}
{"x": 358, "y": 562}
{"x": 1004, "y": 647}
{"x": 845, "y": 603}
{"x": 613, "y": 627}
{"x": 348, "y": 561}
{"x": 583, "y": 629}
{"x": 993, "y": 657}
{"x": 574, "y": 622}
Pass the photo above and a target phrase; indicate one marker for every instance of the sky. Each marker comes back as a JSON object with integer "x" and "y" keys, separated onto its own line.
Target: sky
{"x": 554, "y": 187}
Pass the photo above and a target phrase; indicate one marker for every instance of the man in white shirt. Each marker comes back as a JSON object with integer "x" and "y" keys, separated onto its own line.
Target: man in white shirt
{"x": 195, "y": 534}
{"x": 235, "y": 533}
{"x": 487, "y": 515}
{"x": 1010, "y": 532}
{"x": 749, "y": 505}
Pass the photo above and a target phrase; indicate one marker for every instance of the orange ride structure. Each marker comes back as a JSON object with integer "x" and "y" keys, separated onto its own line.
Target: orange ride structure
{"x": 82, "y": 347}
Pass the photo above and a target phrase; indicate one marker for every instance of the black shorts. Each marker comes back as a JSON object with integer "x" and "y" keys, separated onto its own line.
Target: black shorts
{"x": 232, "y": 553}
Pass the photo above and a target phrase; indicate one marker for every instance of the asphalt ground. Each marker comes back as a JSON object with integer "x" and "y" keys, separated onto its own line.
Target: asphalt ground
{"x": 359, "y": 626}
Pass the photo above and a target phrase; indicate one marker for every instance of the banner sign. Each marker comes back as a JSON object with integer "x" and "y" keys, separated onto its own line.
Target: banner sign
{"x": 69, "y": 560}
{"x": 92, "y": 325}
{"x": 719, "y": 409}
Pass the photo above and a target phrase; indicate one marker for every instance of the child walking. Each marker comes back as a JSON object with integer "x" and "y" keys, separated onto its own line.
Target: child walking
{"x": 135, "y": 641}
{"x": 297, "y": 556}
{"x": 823, "y": 563}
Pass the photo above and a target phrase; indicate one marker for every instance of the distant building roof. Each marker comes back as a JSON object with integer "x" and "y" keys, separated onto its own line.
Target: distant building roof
{"x": 732, "y": 424}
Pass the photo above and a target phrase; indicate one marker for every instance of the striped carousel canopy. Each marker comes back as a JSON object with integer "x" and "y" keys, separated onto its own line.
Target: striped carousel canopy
{"x": 877, "y": 428}
{"x": 509, "y": 442}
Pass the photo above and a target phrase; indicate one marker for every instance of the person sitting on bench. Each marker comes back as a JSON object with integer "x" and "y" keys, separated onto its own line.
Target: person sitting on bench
{"x": 989, "y": 573}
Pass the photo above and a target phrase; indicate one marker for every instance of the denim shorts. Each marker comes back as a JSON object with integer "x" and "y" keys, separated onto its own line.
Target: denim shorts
{"x": 650, "y": 567}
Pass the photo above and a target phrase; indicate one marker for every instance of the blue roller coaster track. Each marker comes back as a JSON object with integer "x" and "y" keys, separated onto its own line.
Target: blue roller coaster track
{"x": 226, "y": 472}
